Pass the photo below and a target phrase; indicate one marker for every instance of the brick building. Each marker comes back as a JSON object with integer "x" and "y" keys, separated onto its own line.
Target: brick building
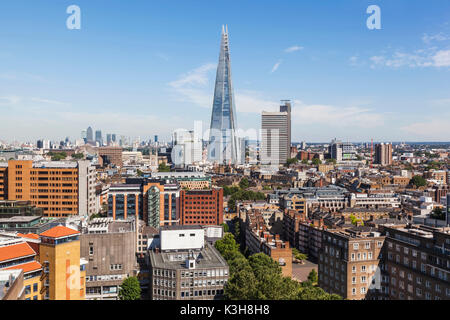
{"x": 204, "y": 207}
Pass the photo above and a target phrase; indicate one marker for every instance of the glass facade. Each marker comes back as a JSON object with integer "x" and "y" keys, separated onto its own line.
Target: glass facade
{"x": 131, "y": 205}
{"x": 153, "y": 207}
{"x": 222, "y": 142}
{"x": 120, "y": 206}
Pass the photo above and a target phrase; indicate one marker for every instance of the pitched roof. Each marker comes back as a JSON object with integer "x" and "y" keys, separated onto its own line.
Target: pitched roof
{"x": 58, "y": 232}
{"x": 29, "y": 235}
{"x": 15, "y": 251}
{"x": 26, "y": 267}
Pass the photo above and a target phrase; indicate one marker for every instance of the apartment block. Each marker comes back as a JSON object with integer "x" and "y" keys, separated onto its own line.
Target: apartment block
{"x": 417, "y": 261}
{"x": 259, "y": 239}
{"x": 349, "y": 262}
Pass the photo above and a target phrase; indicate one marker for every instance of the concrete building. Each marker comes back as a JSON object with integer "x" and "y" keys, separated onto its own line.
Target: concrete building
{"x": 383, "y": 154}
{"x": 275, "y": 135}
{"x": 110, "y": 248}
{"x": 188, "y": 268}
{"x": 110, "y": 156}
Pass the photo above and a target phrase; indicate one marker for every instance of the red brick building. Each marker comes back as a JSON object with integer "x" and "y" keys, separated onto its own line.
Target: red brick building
{"x": 204, "y": 207}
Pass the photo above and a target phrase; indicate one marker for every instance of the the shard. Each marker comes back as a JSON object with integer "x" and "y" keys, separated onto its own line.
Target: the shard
{"x": 223, "y": 142}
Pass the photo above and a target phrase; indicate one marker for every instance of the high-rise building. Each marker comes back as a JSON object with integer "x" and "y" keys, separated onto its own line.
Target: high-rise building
{"x": 98, "y": 137}
{"x": 89, "y": 135}
{"x": 222, "y": 146}
{"x": 335, "y": 150}
{"x": 275, "y": 136}
{"x": 187, "y": 148}
{"x": 40, "y": 144}
{"x": 383, "y": 154}
{"x": 108, "y": 139}
{"x": 156, "y": 138}
{"x": 113, "y": 137}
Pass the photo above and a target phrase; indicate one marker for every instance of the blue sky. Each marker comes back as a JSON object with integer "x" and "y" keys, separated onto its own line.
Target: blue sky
{"x": 140, "y": 68}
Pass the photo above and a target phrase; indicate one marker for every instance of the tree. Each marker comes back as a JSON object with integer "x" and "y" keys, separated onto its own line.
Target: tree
{"x": 418, "y": 181}
{"x": 333, "y": 161}
{"x": 291, "y": 161}
{"x": 312, "y": 276}
{"x": 298, "y": 255}
{"x": 244, "y": 184}
{"x": 304, "y": 161}
{"x": 225, "y": 227}
{"x": 163, "y": 167}
{"x": 438, "y": 214}
{"x": 130, "y": 289}
{"x": 78, "y": 156}
{"x": 316, "y": 161}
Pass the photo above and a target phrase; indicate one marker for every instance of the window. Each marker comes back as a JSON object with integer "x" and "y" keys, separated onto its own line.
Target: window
{"x": 355, "y": 246}
{"x": 91, "y": 250}
{"x": 353, "y": 291}
{"x": 363, "y": 290}
{"x": 363, "y": 268}
{"x": 35, "y": 287}
{"x": 367, "y": 245}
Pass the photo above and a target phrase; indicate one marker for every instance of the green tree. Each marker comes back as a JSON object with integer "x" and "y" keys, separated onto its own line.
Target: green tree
{"x": 244, "y": 184}
{"x": 312, "y": 276}
{"x": 438, "y": 214}
{"x": 163, "y": 167}
{"x": 225, "y": 227}
{"x": 304, "y": 161}
{"x": 291, "y": 161}
{"x": 418, "y": 181}
{"x": 130, "y": 289}
{"x": 316, "y": 161}
{"x": 333, "y": 161}
{"x": 78, "y": 156}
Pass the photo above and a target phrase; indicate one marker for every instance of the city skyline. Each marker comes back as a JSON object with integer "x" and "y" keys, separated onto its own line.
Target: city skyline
{"x": 343, "y": 80}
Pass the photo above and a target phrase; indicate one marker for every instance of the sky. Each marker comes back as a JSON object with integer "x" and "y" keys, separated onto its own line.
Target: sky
{"x": 141, "y": 68}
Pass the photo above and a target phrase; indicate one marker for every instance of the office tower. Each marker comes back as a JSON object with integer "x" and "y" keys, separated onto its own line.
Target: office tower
{"x": 183, "y": 266}
{"x": 83, "y": 134}
{"x": 89, "y": 135}
{"x": 46, "y": 144}
{"x": 113, "y": 137}
{"x": 156, "y": 139}
{"x": 74, "y": 196}
{"x": 222, "y": 146}
{"x": 383, "y": 154}
{"x": 64, "y": 271}
{"x": 286, "y": 107}
{"x": 187, "y": 148}
{"x": 98, "y": 137}
{"x": 335, "y": 150}
{"x": 348, "y": 151}
{"x": 275, "y": 136}
{"x": 40, "y": 144}
{"x": 108, "y": 139}
{"x": 204, "y": 207}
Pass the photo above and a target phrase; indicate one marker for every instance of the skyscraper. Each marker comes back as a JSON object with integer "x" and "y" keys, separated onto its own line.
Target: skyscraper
{"x": 89, "y": 135}
{"x": 98, "y": 137}
{"x": 276, "y": 136}
{"x": 222, "y": 146}
{"x": 383, "y": 154}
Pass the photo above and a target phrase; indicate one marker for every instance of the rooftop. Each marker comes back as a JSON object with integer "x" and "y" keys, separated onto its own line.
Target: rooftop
{"x": 15, "y": 251}
{"x": 59, "y": 232}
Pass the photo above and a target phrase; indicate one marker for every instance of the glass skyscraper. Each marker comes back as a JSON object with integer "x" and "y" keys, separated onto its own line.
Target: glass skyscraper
{"x": 222, "y": 146}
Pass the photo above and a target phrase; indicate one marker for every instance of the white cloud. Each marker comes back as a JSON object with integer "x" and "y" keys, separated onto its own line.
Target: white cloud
{"x": 432, "y": 129}
{"x": 335, "y": 116}
{"x": 420, "y": 58}
{"x": 198, "y": 76}
{"x": 47, "y": 101}
{"x": 293, "y": 49}
{"x": 275, "y": 67}
{"x": 437, "y": 37}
